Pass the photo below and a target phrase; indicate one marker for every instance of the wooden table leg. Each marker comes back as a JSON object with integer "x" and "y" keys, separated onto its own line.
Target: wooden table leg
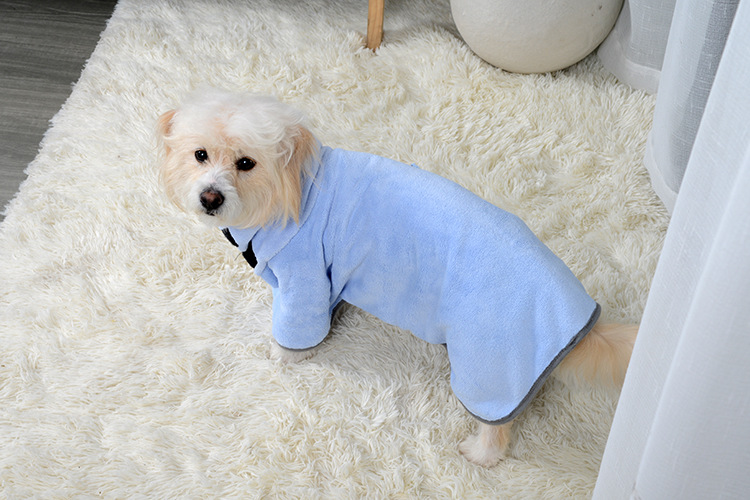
{"x": 375, "y": 23}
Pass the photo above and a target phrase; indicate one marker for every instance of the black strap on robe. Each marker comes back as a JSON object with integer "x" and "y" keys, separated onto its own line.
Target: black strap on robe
{"x": 248, "y": 254}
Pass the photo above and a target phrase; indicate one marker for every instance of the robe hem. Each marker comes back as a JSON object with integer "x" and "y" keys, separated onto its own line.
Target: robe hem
{"x": 545, "y": 374}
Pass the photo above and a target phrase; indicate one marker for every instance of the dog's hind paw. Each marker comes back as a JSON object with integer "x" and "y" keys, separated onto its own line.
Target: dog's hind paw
{"x": 478, "y": 454}
{"x": 488, "y": 446}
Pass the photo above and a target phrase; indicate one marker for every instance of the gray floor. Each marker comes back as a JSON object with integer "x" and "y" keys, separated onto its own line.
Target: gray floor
{"x": 44, "y": 45}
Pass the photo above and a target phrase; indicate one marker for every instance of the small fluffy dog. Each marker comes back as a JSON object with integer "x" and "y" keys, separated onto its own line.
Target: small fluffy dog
{"x": 324, "y": 225}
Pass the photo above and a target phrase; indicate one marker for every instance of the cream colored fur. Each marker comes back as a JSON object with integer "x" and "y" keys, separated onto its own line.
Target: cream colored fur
{"x": 601, "y": 358}
{"x": 134, "y": 358}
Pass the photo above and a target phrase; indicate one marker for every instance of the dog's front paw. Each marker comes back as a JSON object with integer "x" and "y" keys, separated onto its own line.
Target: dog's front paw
{"x": 288, "y": 356}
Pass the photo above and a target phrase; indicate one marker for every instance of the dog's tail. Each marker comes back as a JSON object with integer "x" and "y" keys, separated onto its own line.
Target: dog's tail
{"x": 601, "y": 357}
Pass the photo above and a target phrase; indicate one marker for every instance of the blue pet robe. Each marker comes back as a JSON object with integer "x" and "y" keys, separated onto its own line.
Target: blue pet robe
{"x": 421, "y": 252}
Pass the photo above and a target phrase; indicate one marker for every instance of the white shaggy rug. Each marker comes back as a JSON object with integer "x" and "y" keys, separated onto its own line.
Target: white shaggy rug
{"x": 134, "y": 342}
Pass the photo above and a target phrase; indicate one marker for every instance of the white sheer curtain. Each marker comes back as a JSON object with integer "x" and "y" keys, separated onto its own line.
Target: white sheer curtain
{"x": 634, "y": 50}
{"x": 648, "y": 51}
{"x": 682, "y": 427}
{"x": 696, "y": 42}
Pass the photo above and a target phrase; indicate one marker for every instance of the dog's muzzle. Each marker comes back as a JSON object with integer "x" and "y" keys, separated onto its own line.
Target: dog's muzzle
{"x": 211, "y": 199}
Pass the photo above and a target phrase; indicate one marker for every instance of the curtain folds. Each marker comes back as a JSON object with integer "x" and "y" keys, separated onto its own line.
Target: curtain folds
{"x": 634, "y": 50}
{"x": 695, "y": 47}
{"x": 682, "y": 427}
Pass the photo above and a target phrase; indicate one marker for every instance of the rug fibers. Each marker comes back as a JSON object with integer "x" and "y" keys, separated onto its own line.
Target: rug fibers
{"x": 134, "y": 342}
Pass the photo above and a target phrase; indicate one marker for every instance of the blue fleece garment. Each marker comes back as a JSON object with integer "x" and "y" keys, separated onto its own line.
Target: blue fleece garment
{"x": 422, "y": 253}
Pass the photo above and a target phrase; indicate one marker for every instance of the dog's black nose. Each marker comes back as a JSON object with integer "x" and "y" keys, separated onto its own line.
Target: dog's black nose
{"x": 211, "y": 200}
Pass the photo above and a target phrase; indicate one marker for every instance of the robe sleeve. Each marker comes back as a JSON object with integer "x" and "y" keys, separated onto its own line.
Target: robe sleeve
{"x": 302, "y": 306}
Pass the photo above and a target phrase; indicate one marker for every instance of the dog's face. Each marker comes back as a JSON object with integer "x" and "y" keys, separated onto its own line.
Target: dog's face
{"x": 235, "y": 160}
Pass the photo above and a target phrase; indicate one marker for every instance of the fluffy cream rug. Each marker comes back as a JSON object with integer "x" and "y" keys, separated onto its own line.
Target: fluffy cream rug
{"x": 134, "y": 342}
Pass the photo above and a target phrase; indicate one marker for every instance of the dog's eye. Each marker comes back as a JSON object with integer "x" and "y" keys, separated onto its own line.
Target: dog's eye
{"x": 201, "y": 155}
{"x": 245, "y": 164}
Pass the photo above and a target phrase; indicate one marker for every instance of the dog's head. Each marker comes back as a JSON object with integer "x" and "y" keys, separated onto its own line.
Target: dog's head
{"x": 235, "y": 159}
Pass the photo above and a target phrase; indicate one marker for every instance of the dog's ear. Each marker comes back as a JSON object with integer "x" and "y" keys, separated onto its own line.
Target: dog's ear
{"x": 301, "y": 150}
{"x": 166, "y": 175}
{"x": 164, "y": 127}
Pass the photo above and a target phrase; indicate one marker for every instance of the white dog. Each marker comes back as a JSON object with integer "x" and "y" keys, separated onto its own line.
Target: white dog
{"x": 323, "y": 225}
